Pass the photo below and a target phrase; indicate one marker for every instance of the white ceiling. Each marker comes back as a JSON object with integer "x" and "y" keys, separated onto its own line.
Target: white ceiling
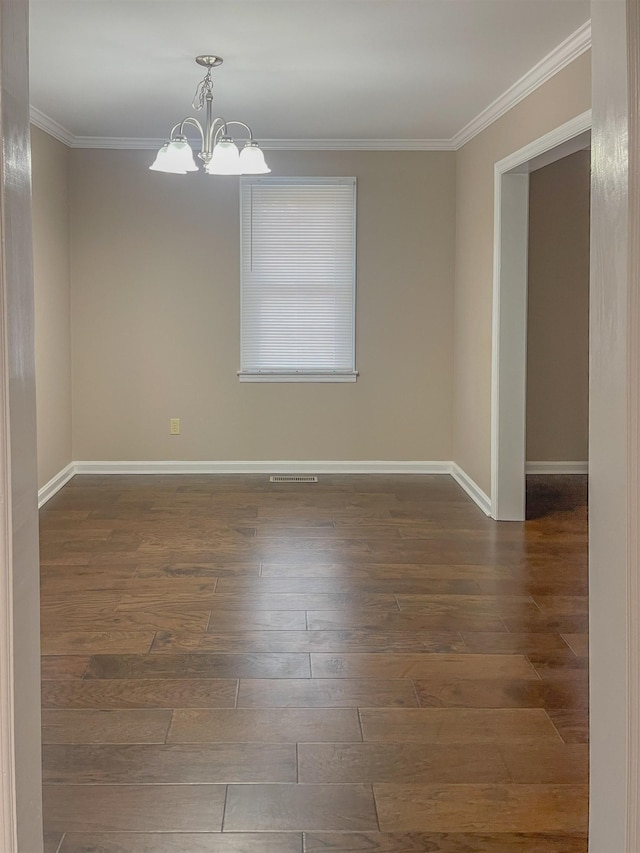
{"x": 293, "y": 69}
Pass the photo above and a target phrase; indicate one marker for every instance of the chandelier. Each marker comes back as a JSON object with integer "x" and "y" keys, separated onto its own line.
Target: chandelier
{"x": 219, "y": 150}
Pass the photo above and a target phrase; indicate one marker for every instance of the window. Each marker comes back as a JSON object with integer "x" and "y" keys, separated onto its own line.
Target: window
{"x": 298, "y": 279}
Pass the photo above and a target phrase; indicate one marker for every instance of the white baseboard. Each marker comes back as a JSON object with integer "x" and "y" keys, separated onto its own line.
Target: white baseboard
{"x": 269, "y": 467}
{"x": 557, "y": 468}
{"x": 55, "y": 484}
{"x": 471, "y": 488}
{"x": 265, "y": 467}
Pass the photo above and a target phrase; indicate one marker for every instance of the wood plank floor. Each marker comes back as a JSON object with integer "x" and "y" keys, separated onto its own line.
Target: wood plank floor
{"x": 363, "y": 664}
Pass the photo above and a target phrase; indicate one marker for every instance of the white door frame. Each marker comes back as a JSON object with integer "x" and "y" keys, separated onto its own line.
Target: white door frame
{"x": 20, "y": 749}
{"x": 509, "y": 325}
{"x": 8, "y": 818}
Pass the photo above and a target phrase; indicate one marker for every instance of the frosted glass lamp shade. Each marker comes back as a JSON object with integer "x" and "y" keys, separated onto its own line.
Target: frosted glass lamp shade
{"x": 252, "y": 160}
{"x": 225, "y": 159}
{"x": 181, "y": 156}
{"x": 175, "y": 158}
{"x": 163, "y": 163}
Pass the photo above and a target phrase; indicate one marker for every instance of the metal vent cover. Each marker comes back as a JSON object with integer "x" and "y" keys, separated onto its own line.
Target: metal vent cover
{"x": 292, "y": 478}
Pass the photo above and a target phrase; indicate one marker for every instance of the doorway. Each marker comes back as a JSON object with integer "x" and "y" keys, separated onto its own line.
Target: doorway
{"x": 557, "y": 393}
{"x": 510, "y": 292}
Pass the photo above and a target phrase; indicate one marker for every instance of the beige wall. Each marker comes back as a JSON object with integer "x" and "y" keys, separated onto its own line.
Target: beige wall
{"x": 50, "y": 164}
{"x": 155, "y": 306}
{"x": 558, "y": 311}
{"x": 155, "y": 280}
{"x": 564, "y": 96}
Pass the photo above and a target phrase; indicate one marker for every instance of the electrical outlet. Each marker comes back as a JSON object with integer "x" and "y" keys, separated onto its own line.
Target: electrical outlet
{"x": 174, "y": 426}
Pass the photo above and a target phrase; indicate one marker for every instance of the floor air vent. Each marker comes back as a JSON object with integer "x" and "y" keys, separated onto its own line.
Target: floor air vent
{"x": 291, "y": 478}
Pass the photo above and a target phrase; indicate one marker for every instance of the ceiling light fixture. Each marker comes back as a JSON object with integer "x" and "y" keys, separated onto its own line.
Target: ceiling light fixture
{"x": 219, "y": 150}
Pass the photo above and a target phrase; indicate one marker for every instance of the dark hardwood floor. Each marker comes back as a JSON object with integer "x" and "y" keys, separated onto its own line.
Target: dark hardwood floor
{"x": 363, "y": 664}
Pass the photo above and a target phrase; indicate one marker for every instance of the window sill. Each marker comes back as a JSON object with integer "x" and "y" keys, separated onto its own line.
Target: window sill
{"x": 298, "y": 377}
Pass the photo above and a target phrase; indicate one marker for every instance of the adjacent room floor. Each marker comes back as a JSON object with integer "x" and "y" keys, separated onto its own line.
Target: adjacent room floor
{"x": 362, "y": 664}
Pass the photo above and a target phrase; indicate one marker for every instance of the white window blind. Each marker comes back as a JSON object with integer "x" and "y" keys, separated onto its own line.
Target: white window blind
{"x": 298, "y": 279}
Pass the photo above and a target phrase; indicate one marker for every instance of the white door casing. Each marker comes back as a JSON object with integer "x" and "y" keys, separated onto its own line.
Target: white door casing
{"x": 20, "y": 768}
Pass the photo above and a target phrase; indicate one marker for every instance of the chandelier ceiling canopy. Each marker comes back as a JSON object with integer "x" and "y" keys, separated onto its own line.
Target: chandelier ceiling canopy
{"x": 219, "y": 150}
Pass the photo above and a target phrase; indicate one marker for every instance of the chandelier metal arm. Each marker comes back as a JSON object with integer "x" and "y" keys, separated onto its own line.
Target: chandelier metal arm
{"x": 205, "y": 134}
{"x": 209, "y": 134}
{"x": 223, "y": 129}
{"x": 181, "y": 125}
{"x": 214, "y": 128}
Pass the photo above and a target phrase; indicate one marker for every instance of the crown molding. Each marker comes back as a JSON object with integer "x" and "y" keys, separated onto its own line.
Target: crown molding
{"x": 121, "y": 143}
{"x": 132, "y": 144}
{"x": 51, "y": 126}
{"x": 357, "y": 144}
{"x": 561, "y": 56}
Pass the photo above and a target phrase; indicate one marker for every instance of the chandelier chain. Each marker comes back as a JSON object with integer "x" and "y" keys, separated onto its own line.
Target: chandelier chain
{"x": 204, "y": 88}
